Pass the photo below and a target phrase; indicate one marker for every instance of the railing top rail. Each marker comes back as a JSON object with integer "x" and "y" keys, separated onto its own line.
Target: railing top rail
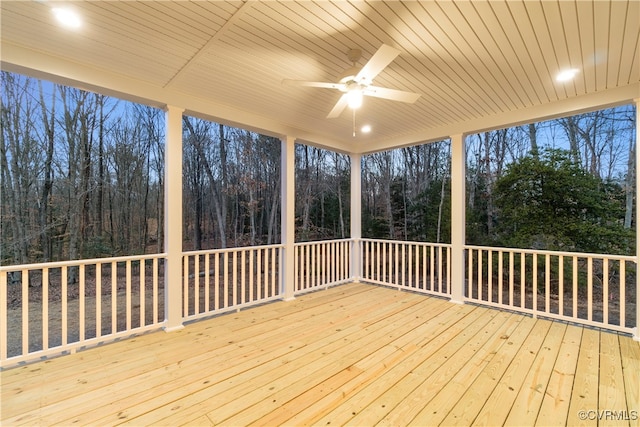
{"x": 235, "y": 249}
{"x": 72, "y": 263}
{"x": 319, "y": 242}
{"x": 410, "y": 242}
{"x": 555, "y": 253}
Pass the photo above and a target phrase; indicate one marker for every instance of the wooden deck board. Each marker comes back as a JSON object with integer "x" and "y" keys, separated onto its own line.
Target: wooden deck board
{"x": 584, "y": 396}
{"x": 246, "y": 352}
{"x": 275, "y": 412}
{"x": 457, "y": 381}
{"x": 429, "y": 343}
{"x": 498, "y": 404}
{"x": 351, "y": 355}
{"x": 555, "y": 403}
{"x": 611, "y": 388}
{"x": 438, "y": 350}
{"x": 183, "y": 353}
{"x": 312, "y": 369}
{"x": 467, "y": 408}
{"x": 527, "y": 405}
{"x": 630, "y": 354}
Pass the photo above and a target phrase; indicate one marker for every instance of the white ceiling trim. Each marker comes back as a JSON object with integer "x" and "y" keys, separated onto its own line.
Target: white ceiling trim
{"x": 42, "y": 65}
{"x": 479, "y": 64}
{"x": 562, "y": 108}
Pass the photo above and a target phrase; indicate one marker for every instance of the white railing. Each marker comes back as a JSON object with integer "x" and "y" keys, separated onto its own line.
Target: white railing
{"x": 220, "y": 280}
{"x": 591, "y": 289}
{"x": 59, "y": 307}
{"x": 321, "y": 264}
{"x": 416, "y": 266}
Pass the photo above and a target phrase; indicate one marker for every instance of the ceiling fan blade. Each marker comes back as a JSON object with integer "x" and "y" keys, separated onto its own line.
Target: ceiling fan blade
{"x": 290, "y": 82}
{"x": 339, "y": 107}
{"x": 377, "y": 63}
{"x": 392, "y": 94}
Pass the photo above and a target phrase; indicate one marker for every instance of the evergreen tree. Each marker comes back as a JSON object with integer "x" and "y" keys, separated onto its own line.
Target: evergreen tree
{"x": 550, "y": 202}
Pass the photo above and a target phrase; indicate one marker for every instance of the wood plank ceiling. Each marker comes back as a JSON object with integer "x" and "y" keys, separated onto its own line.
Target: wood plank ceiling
{"x": 477, "y": 64}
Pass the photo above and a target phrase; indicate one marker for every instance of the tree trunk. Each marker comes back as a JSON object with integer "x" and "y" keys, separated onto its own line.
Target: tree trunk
{"x": 570, "y": 126}
{"x": 533, "y": 138}
{"x": 630, "y": 180}
{"x": 48, "y": 121}
{"x": 86, "y": 141}
{"x": 101, "y": 174}
{"x": 220, "y": 205}
{"x": 338, "y": 164}
{"x": 273, "y": 214}
{"x": 441, "y": 206}
{"x": 489, "y": 182}
{"x": 222, "y": 218}
{"x": 16, "y": 166}
{"x": 307, "y": 197}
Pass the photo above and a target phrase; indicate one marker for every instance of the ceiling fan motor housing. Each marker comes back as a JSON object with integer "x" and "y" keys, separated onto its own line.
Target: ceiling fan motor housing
{"x": 349, "y": 75}
{"x": 354, "y": 55}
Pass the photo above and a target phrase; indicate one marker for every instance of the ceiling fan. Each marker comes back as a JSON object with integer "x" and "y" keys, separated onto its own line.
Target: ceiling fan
{"x": 356, "y": 83}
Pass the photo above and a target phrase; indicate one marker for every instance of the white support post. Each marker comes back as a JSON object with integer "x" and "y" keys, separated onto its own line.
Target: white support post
{"x": 636, "y": 333}
{"x": 287, "y": 216}
{"x": 173, "y": 219}
{"x": 356, "y": 216}
{"x": 458, "y": 218}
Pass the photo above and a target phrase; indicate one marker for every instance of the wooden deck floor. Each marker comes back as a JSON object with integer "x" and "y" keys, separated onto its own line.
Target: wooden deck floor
{"x": 355, "y": 354}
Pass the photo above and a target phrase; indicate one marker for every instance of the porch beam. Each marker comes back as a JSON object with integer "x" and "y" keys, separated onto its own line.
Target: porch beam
{"x": 458, "y": 218}
{"x": 287, "y": 217}
{"x": 356, "y": 216}
{"x": 173, "y": 218}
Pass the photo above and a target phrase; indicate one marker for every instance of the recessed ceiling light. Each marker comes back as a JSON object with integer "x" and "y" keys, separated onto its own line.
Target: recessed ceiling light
{"x": 366, "y": 129}
{"x": 566, "y": 75}
{"x": 67, "y": 17}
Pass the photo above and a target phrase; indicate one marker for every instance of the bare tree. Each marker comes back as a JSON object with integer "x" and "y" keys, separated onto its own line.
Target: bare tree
{"x": 198, "y": 135}
{"x": 19, "y": 159}
{"x": 48, "y": 112}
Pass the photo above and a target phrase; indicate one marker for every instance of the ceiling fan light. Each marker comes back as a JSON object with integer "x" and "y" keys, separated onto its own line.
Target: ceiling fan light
{"x": 354, "y": 99}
